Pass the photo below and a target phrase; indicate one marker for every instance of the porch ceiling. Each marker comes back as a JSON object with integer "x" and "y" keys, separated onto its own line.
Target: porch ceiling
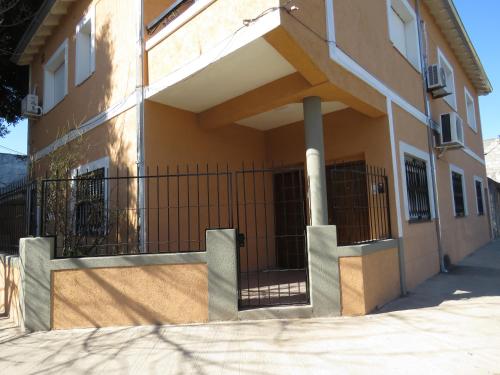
{"x": 246, "y": 69}
{"x": 287, "y": 114}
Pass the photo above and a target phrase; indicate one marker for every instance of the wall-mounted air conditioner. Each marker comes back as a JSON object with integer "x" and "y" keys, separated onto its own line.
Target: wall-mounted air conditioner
{"x": 436, "y": 81}
{"x": 30, "y": 107}
{"x": 452, "y": 130}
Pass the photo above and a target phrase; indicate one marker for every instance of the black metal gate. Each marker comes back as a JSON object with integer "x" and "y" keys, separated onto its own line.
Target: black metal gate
{"x": 271, "y": 214}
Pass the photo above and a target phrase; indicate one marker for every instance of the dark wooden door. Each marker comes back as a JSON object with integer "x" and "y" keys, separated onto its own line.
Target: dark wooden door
{"x": 347, "y": 195}
{"x": 289, "y": 206}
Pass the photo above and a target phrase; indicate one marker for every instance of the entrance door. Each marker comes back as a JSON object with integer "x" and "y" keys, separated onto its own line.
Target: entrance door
{"x": 347, "y": 196}
{"x": 289, "y": 206}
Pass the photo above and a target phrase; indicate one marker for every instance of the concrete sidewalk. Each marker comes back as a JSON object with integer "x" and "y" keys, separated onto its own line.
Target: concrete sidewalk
{"x": 449, "y": 325}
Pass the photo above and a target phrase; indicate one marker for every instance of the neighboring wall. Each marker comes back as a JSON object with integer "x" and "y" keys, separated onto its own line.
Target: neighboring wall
{"x": 10, "y": 290}
{"x": 113, "y": 81}
{"x": 12, "y": 168}
{"x": 492, "y": 152}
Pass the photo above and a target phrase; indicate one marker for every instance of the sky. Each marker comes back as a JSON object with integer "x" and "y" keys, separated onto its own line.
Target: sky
{"x": 482, "y": 21}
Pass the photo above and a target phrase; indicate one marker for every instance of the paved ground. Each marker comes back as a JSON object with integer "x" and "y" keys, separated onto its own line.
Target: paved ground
{"x": 449, "y": 325}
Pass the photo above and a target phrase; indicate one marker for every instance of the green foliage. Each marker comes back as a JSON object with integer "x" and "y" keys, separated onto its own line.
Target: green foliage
{"x": 15, "y": 17}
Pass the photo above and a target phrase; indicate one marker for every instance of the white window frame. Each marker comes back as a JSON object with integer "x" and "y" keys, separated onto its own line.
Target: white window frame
{"x": 407, "y": 149}
{"x": 456, "y": 169}
{"x": 48, "y": 77}
{"x": 450, "y": 99}
{"x": 89, "y": 17}
{"x": 407, "y": 14}
{"x": 479, "y": 179}
{"x": 89, "y": 167}
{"x": 472, "y": 122}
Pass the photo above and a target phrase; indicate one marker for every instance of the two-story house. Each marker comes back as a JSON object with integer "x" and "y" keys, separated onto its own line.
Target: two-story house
{"x": 308, "y": 126}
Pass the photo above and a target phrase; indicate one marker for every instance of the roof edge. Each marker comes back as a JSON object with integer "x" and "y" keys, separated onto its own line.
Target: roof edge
{"x": 36, "y": 22}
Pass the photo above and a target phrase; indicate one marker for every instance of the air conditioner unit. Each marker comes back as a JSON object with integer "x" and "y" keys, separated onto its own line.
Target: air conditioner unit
{"x": 30, "y": 107}
{"x": 452, "y": 130}
{"x": 436, "y": 81}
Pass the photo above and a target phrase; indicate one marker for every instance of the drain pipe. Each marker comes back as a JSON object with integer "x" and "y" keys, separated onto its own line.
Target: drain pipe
{"x": 422, "y": 40}
{"x": 140, "y": 119}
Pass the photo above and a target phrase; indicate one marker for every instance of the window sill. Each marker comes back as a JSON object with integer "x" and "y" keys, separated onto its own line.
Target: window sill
{"x": 416, "y": 68}
{"x": 77, "y": 84}
{"x": 460, "y": 216}
{"x": 419, "y": 221}
{"x": 45, "y": 112}
{"x": 454, "y": 108}
{"x": 472, "y": 128}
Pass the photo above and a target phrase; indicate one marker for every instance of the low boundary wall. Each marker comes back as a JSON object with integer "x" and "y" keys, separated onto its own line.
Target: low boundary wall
{"x": 10, "y": 289}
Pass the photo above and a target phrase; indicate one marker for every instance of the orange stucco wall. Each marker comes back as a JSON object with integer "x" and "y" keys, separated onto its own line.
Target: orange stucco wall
{"x": 10, "y": 287}
{"x": 114, "y": 138}
{"x": 362, "y": 32}
{"x": 102, "y": 297}
{"x": 113, "y": 80}
{"x": 369, "y": 281}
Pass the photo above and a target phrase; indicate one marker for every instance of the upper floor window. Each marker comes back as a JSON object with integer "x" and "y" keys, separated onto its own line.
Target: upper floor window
{"x": 56, "y": 77}
{"x": 470, "y": 109}
{"x": 450, "y": 80}
{"x": 403, "y": 30}
{"x": 458, "y": 191}
{"x": 478, "y": 185}
{"x": 85, "y": 48}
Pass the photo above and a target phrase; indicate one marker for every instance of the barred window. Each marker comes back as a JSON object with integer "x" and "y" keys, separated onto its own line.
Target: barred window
{"x": 89, "y": 203}
{"x": 479, "y": 197}
{"x": 417, "y": 189}
{"x": 458, "y": 193}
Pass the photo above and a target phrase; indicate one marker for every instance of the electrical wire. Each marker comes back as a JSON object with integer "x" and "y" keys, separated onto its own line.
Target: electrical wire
{"x": 12, "y": 150}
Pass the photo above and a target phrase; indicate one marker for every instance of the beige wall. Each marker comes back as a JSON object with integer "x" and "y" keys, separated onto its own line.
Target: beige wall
{"x": 114, "y": 77}
{"x": 369, "y": 281}
{"x": 362, "y": 32}
{"x": 103, "y": 297}
{"x": 114, "y": 139}
{"x": 420, "y": 239}
{"x": 10, "y": 286}
{"x": 436, "y": 39}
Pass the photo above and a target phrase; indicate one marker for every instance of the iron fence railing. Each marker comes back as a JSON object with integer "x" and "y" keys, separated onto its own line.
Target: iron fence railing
{"x": 103, "y": 212}
{"x": 17, "y": 214}
{"x": 358, "y": 202}
{"x": 112, "y": 212}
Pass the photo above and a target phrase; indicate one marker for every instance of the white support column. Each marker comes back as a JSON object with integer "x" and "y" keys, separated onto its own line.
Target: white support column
{"x": 315, "y": 160}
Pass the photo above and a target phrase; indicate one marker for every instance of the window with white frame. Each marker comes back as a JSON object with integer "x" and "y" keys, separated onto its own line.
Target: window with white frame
{"x": 458, "y": 190}
{"x": 478, "y": 186}
{"x": 450, "y": 80}
{"x": 90, "y": 198}
{"x": 416, "y": 171}
{"x": 56, "y": 77}
{"x": 403, "y": 30}
{"x": 85, "y": 48}
{"x": 470, "y": 109}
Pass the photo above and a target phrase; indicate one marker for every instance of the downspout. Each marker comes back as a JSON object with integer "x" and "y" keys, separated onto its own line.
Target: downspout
{"x": 140, "y": 120}
{"x": 430, "y": 142}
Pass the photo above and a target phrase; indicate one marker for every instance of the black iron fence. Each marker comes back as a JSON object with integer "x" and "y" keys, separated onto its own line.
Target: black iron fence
{"x": 102, "y": 212}
{"x": 358, "y": 202}
{"x": 17, "y": 214}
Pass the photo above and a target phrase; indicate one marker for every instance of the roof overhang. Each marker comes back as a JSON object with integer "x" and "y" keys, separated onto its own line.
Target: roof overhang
{"x": 448, "y": 20}
{"x": 43, "y": 24}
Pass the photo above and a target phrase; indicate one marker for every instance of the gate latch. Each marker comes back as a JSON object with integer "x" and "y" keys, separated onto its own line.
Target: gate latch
{"x": 240, "y": 238}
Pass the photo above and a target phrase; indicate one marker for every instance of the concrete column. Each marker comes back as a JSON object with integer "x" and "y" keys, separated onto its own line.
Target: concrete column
{"x": 222, "y": 274}
{"x": 315, "y": 160}
{"x": 323, "y": 270}
{"x": 35, "y": 255}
